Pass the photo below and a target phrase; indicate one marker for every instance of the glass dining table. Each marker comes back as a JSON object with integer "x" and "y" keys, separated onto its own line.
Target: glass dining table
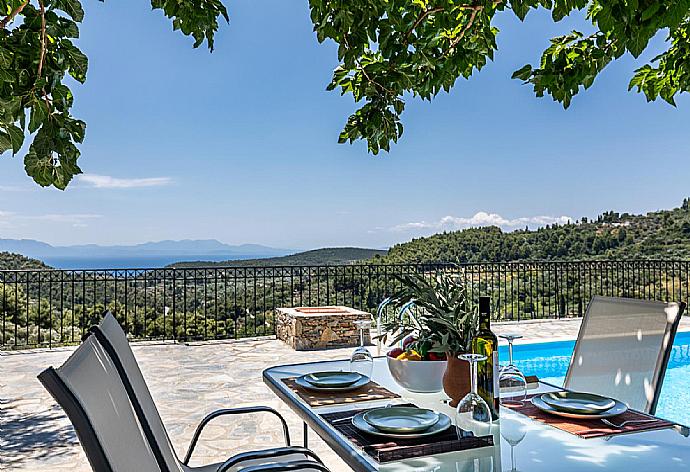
{"x": 520, "y": 443}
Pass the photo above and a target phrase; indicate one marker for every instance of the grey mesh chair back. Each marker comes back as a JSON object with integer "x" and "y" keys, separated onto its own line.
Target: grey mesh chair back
{"x": 113, "y": 340}
{"x": 623, "y": 348}
{"x": 123, "y": 353}
{"x": 89, "y": 389}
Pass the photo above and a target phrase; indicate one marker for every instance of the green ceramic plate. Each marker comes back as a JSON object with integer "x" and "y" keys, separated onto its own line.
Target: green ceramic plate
{"x": 332, "y": 379}
{"x": 441, "y": 425}
{"x": 401, "y": 419}
{"x": 618, "y": 409}
{"x": 302, "y": 382}
{"x": 577, "y": 402}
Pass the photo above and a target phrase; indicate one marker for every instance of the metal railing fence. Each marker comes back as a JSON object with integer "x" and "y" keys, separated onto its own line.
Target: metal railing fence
{"x": 55, "y": 307}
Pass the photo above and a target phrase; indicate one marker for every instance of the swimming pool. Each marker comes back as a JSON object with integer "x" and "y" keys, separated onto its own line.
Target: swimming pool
{"x": 549, "y": 362}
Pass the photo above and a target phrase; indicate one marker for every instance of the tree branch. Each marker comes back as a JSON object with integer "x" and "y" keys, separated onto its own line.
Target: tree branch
{"x": 424, "y": 14}
{"x": 43, "y": 38}
{"x": 469, "y": 24}
{"x": 5, "y": 21}
{"x": 43, "y": 52}
{"x": 364, "y": 72}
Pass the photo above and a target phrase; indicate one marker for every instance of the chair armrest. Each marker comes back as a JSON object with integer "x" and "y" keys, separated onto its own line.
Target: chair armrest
{"x": 234, "y": 411}
{"x": 271, "y": 453}
{"x": 281, "y": 467}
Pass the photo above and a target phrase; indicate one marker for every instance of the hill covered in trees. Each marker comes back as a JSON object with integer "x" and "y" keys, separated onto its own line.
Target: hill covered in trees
{"x": 9, "y": 260}
{"x": 661, "y": 234}
{"x": 325, "y": 256}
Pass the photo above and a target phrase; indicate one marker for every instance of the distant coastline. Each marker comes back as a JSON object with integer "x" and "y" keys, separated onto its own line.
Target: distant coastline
{"x": 135, "y": 262}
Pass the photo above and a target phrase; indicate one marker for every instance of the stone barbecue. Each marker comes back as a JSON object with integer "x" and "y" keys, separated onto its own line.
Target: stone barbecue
{"x": 305, "y": 328}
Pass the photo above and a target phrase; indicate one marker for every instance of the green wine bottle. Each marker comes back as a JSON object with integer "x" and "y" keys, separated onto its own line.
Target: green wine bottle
{"x": 486, "y": 344}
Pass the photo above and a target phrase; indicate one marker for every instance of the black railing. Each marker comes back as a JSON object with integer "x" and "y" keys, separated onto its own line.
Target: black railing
{"x": 54, "y": 307}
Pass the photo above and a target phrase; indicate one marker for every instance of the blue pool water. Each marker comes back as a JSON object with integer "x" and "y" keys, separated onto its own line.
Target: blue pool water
{"x": 549, "y": 362}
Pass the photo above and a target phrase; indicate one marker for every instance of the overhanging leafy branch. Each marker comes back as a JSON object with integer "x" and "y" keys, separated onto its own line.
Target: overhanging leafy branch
{"x": 388, "y": 50}
{"x": 36, "y": 56}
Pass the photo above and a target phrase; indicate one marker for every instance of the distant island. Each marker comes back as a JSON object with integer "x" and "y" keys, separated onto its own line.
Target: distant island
{"x": 145, "y": 255}
{"x": 325, "y": 256}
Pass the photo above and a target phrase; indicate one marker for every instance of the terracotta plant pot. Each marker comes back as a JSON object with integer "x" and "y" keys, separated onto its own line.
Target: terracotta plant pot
{"x": 456, "y": 379}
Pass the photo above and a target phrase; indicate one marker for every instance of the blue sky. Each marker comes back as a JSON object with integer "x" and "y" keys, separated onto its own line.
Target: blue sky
{"x": 241, "y": 145}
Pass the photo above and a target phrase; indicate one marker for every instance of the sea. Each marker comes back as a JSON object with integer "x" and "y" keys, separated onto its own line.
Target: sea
{"x": 135, "y": 262}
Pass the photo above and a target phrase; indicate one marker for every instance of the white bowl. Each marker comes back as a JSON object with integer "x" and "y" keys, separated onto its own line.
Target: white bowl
{"x": 418, "y": 376}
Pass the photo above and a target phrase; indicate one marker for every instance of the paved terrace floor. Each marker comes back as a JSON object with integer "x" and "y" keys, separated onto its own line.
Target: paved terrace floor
{"x": 187, "y": 381}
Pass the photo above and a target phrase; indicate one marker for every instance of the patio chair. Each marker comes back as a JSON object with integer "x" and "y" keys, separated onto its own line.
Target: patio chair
{"x": 90, "y": 389}
{"x": 623, "y": 348}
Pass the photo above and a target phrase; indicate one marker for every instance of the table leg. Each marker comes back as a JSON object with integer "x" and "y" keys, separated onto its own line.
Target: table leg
{"x": 306, "y": 435}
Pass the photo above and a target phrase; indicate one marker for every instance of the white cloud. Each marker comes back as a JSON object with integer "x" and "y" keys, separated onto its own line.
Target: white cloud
{"x": 482, "y": 218}
{"x": 106, "y": 181}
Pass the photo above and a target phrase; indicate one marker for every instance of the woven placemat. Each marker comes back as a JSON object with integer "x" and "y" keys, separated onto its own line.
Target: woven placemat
{"x": 594, "y": 428}
{"x": 388, "y": 450}
{"x": 369, "y": 392}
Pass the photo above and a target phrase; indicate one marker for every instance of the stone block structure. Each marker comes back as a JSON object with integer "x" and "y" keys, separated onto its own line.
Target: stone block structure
{"x": 308, "y": 328}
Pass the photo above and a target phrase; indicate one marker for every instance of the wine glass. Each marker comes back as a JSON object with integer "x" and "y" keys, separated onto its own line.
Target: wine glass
{"x": 513, "y": 432}
{"x": 472, "y": 413}
{"x": 510, "y": 378}
{"x": 380, "y": 312}
{"x": 361, "y": 359}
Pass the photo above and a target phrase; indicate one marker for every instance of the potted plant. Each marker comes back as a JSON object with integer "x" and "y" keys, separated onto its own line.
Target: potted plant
{"x": 436, "y": 321}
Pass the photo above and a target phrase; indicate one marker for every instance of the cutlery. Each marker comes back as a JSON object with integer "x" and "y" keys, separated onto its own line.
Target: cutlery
{"x": 340, "y": 420}
{"x": 605, "y": 421}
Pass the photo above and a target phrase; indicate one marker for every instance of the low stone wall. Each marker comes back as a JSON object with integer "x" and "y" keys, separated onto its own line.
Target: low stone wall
{"x": 306, "y": 328}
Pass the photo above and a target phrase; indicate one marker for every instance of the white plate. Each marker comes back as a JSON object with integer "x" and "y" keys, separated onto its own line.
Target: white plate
{"x": 304, "y": 383}
{"x": 618, "y": 409}
{"x": 360, "y": 423}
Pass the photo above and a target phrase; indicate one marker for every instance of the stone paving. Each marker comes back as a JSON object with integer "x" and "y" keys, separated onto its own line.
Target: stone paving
{"x": 187, "y": 382}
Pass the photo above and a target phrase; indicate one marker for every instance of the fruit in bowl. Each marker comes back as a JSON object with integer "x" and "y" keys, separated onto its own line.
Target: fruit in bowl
{"x": 416, "y": 372}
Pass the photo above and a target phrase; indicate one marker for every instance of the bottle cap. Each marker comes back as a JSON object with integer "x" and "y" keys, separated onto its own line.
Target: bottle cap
{"x": 484, "y": 304}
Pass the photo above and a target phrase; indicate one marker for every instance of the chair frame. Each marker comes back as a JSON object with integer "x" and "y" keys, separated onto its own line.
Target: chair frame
{"x": 95, "y": 452}
{"x": 141, "y": 416}
{"x": 80, "y": 420}
{"x": 666, "y": 354}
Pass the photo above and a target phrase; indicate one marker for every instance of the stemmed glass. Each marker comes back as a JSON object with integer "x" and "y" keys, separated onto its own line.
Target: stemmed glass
{"x": 510, "y": 378}
{"x": 472, "y": 413}
{"x": 380, "y": 312}
{"x": 513, "y": 432}
{"x": 361, "y": 359}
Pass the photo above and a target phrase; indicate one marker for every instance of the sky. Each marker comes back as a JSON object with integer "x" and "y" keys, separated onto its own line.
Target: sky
{"x": 241, "y": 145}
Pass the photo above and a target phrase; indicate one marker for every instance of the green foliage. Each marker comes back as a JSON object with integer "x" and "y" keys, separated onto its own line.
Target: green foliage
{"x": 392, "y": 48}
{"x": 570, "y": 62}
{"x": 37, "y": 54}
{"x": 435, "y": 309}
{"x": 672, "y": 72}
{"x": 573, "y": 61}
{"x": 388, "y": 49}
{"x": 656, "y": 235}
{"x": 195, "y": 18}
{"x": 11, "y": 261}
